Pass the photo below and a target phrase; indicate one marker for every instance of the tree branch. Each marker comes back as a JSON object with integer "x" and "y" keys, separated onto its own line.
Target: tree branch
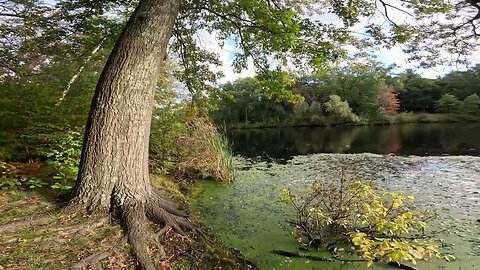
{"x": 11, "y": 15}
{"x": 79, "y": 71}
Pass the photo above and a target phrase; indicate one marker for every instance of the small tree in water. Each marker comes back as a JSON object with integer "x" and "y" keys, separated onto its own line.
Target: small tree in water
{"x": 378, "y": 227}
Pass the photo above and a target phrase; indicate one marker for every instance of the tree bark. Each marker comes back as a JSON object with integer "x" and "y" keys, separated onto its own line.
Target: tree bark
{"x": 113, "y": 173}
{"x": 114, "y": 162}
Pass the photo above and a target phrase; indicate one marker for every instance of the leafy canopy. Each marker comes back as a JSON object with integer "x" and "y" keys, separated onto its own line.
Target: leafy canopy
{"x": 271, "y": 33}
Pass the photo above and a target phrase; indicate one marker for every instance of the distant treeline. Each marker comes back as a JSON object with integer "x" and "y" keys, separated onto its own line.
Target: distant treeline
{"x": 357, "y": 94}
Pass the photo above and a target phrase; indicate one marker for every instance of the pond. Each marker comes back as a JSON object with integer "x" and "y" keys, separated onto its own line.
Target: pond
{"x": 245, "y": 215}
{"x": 404, "y": 139}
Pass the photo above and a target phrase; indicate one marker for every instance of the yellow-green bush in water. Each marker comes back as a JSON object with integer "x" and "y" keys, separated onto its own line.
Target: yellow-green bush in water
{"x": 188, "y": 146}
{"x": 378, "y": 227}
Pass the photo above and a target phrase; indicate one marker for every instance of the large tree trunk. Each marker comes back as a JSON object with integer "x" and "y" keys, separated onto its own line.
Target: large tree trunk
{"x": 113, "y": 170}
{"x": 114, "y": 163}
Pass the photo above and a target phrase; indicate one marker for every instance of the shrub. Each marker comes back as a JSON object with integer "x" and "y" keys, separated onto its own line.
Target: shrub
{"x": 471, "y": 105}
{"x": 301, "y": 113}
{"x": 379, "y": 227}
{"x": 186, "y": 146}
{"x": 11, "y": 180}
{"x": 316, "y": 108}
{"x": 8, "y": 181}
{"x": 341, "y": 110}
{"x": 448, "y": 104}
{"x": 58, "y": 148}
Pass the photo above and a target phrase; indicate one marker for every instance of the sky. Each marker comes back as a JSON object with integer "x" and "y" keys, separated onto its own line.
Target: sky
{"x": 393, "y": 55}
{"x": 387, "y": 56}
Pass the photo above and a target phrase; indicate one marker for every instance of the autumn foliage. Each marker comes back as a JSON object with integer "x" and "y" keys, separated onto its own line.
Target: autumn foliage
{"x": 389, "y": 102}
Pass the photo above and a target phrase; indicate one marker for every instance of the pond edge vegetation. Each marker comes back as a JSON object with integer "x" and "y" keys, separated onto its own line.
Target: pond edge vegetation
{"x": 352, "y": 217}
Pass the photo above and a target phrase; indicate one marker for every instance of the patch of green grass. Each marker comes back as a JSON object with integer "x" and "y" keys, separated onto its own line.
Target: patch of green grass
{"x": 433, "y": 118}
{"x": 78, "y": 243}
{"x": 54, "y": 245}
{"x": 19, "y": 204}
{"x": 167, "y": 184}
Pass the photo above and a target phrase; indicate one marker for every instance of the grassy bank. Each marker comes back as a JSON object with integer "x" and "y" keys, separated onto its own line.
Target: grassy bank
{"x": 401, "y": 118}
{"x": 38, "y": 168}
{"x": 37, "y": 233}
{"x": 430, "y": 118}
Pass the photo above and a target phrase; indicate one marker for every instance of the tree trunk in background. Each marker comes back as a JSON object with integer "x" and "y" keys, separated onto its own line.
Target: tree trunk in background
{"x": 113, "y": 171}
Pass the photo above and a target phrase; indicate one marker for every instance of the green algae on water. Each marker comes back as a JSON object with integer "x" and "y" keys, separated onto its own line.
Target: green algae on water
{"x": 245, "y": 215}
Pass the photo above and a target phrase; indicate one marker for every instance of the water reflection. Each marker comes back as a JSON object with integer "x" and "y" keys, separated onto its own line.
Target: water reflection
{"x": 406, "y": 139}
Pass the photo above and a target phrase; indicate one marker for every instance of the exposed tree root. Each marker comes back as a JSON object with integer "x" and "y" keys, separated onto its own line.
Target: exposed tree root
{"x": 82, "y": 229}
{"x": 94, "y": 260}
{"x": 146, "y": 245}
{"x": 25, "y": 223}
{"x": 163, "y": 231}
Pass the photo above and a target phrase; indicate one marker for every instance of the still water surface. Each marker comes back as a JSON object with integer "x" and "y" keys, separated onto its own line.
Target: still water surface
{"x": 405, "y": 139}
{"x": 438, "y": 163}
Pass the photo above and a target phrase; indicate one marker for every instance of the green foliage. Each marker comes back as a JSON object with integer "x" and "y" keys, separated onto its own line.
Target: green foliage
{"x": 10, "y": 180}
{"x": 377, "y": 226}
{"x": 58, "y": 148}
{"x": 471, "y": 104}
{"x": 22, "y": 106}
{"x": 34, "y": 102}
{"x": 373, "y": 93}
{"x": 61, "y": 149}
{"x": 63, "y": 186}
{"x": 369, "y": 88}
{"x": 341, "y": 110}
{"x": 361, "y": 84}
{"x": 418, "y": 94}
{"x": 38, "y": 35}
{"x": 35, "y": 183}
{"x": 448, "y": 104}
{"x": 278, "y": 85}
{"x": 462, "y": 83}
{"x": 248, "y": 100}
{"x": 306, "y": 115}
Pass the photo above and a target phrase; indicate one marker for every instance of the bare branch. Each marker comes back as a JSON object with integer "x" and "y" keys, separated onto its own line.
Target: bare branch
{"x": 79, "y": 71}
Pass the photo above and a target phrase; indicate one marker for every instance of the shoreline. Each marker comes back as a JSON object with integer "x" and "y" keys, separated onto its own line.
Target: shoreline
{"x": 402, "y": 118}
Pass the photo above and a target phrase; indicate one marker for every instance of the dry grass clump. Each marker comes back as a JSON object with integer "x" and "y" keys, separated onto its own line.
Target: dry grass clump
{"x": 208, "y": 153}
{"x": 190, "y": 148}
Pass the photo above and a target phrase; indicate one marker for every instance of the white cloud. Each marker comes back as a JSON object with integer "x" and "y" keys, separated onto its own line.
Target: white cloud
{"x": 226, "y": 55}
{"x": 394, "y": 55}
